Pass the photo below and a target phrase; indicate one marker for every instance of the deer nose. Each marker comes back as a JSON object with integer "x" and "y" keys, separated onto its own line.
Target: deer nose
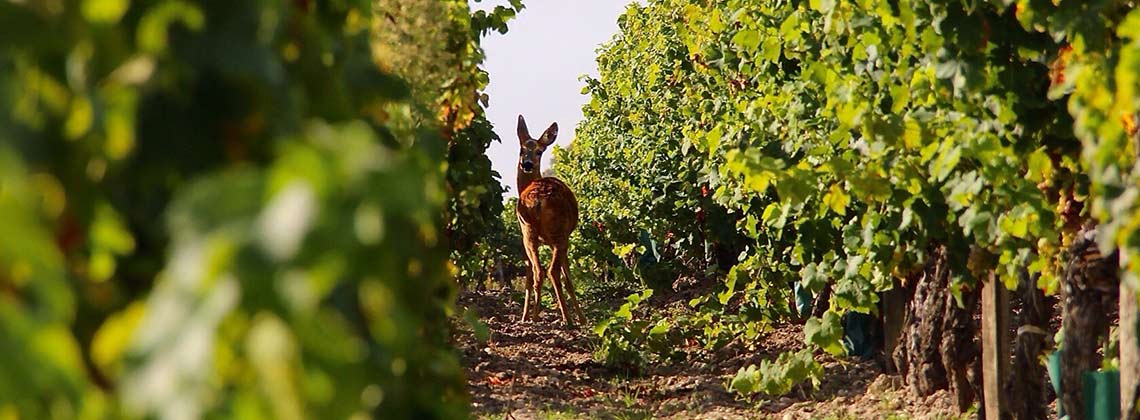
{"x": 528, "y": 166}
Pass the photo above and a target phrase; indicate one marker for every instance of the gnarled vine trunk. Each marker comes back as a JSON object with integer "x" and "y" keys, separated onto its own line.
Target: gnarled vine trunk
{"x": 1089, "y": 289}
{"x": 937, "y": 348}
{"x": 1027, "y": 380}
{"x": 961, "y": 349}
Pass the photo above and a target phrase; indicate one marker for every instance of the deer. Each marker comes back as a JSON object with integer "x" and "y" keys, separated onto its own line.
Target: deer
{"x": 548, "y": 213}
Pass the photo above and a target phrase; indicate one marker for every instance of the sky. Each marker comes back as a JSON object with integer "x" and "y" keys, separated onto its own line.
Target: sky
{"x": 535, "y": 70}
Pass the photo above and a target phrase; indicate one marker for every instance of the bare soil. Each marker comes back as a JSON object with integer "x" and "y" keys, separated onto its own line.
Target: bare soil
{"x": 540, "y": 370}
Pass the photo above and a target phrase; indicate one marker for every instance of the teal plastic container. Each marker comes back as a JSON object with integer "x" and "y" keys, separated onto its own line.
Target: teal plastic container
{"x": 1100, "y": 388}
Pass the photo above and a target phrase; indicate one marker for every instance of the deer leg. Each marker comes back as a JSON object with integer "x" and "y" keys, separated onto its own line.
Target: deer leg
{"x": 570, "y": 292}
{"x": 534, "y": 283}
{"x": 536, "y": 278}
{"x": 556, "y": 279}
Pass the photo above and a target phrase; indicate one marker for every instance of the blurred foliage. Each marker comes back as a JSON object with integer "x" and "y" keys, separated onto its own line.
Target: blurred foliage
{"x": 499, "y": 254}
{"x": 435, "y": 46}
{"x": 235, "y": 209}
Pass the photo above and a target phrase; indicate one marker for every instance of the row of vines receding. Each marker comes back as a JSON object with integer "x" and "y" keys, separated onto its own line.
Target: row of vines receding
{"x": 799, "y": 158}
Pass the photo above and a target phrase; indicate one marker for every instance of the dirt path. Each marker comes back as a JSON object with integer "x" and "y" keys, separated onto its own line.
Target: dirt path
{"x": 540, "y": 370}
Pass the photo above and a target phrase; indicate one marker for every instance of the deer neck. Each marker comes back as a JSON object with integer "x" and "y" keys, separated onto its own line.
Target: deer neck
{"x": 525, "y": 179}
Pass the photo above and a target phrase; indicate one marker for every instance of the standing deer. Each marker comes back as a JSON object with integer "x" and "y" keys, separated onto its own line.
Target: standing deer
{"x": 548, "y": 213}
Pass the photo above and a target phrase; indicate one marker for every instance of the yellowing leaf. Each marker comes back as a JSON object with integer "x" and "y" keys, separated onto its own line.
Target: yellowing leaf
{"x": 101, "y": 266}
{"x": 912, "y": 134}
{"x": 114, "y": 336}
{"x": 120, "y": 136}
{"x": 79, "y": 118}
{"x": 109, "y": 231}
{"x": 55, "y": 345}
{"x": 1040, "y": 166}
{"x": 837, "y": 200}
{"x": 623, "y": 250}
{"x": 716, "y": 21}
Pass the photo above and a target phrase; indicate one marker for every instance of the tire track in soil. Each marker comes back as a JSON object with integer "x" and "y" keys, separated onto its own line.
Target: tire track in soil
{"x": 527, "y": 369}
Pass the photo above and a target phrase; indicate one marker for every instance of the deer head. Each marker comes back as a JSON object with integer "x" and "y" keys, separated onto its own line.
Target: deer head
{"x": 530, "y": 150}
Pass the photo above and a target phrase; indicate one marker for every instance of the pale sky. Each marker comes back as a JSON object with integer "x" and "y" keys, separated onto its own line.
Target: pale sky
{"x": 535, "y": 70}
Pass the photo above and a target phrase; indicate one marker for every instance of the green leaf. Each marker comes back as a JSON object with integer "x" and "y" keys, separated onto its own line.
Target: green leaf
{"x": 746, "y": 381}
{"x": 1016, "y": 225}
{"x": 771, "y": 49}
{"x": 946, "y": 161}
{"x": 900, "y": 97}
{"x": 712, "y": 140}
{"x": 729, "y": 286}
{"x": 824, "y": 6}
{"x": 790, "y": 29}
{"x": 748, "y": 39}
{"x": 826, "y": 333}
{"x": 813, "y": 277}
{"x": 1040, "y": 166}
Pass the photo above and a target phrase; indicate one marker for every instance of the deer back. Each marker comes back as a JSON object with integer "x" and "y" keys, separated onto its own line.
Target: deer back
{"x": 549, "y": 209}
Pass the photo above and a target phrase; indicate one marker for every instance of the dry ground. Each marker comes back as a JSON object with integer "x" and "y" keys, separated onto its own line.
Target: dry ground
{"x": 540, "y": 370}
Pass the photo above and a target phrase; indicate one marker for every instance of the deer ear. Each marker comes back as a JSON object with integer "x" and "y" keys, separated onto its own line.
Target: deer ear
{"x": 549, "y": 135}
{"x": 524, "y": 135}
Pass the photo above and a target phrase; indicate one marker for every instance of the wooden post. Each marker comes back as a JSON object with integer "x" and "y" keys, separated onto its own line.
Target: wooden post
{"x": 995, "y": 345}
{"x": 894, "y": 311}
{"x": 1129, "y": 351}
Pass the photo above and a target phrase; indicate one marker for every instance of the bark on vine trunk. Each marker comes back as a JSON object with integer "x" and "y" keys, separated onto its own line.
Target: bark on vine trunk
{"x": 961, "y": 350}
{"x": 1089, "y": 288}
{"x": 937, "y": 348}
{"x": 1027, "y": 381}
{"x": 917, "y": 356}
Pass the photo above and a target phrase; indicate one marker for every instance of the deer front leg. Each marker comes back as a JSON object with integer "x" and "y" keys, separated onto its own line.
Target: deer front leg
{"x": 534, "y": 284}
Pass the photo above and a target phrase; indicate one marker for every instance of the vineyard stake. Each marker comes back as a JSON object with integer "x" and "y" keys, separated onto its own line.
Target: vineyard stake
{"x": 995, "y": 345}
{"x": 1129, "y": 350}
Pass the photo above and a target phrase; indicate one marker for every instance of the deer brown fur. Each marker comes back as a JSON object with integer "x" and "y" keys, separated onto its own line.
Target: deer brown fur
{"x": 548, "y": 213}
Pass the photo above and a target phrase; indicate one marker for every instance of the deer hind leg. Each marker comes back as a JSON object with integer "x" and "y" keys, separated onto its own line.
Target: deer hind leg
{"x": 570, "y": 292}
{"x": 556, "y": 278}
{"x": 534, "y": 283}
